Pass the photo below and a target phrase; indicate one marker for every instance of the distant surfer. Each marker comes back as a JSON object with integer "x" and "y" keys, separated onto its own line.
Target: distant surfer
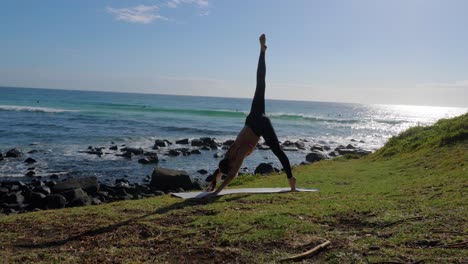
{"x": 257, "y": 125}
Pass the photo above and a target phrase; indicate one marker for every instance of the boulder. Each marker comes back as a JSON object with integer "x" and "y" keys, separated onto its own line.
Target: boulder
{"x": 30, "y": 173}
{"x": 37, "y": 200}
{"x": 195, "y": 151}
{"x": 136, "y": 151}
{"x": 264, "y": 168}
{"x": 316, "y": 156}
{"x": 32, "y": 151}
{"x": 197, "y": 143}
{"x": 127, "y": 155}
{"x": 173, "y": 153}
{"x": 206, "y": 148}
{"x": 15, "y": 198}
{"x": 218, "y": 155}
{"x": 113, "y": 147}
{"x": 42, "y": 189}
{"x": 168, "y": 179}
{"x": 160, "y": 143}
{"x": 349, "y": 146}
{"x": 288, "y": 143}
{"x": 13, "y": 153}
{"x": 149, "y": 160}
{"x": 55, "y": 201}
{"x": 228, "y": 142}
{"x": 344, "y": 151}
{"x": 184, "y": 141}
{"x": 30, "y": 160}
{"x": 316, "y": 147}
{"x": 89, "y": 184}
{"x": 202, "y": 171}
{"x": 299, "y": 145}
{"x": 263, "y": 147}
{"x": 77, "y": 197}
{"x": 333, "y": 154}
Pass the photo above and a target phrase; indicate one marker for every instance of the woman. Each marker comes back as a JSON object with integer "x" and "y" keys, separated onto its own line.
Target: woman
{"x": 256, "y": 125}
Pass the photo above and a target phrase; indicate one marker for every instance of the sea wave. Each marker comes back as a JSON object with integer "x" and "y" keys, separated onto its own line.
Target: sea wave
{"x": 19, "y": 108}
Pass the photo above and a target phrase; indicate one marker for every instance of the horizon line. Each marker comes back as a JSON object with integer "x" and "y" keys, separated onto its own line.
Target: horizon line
{"x": 210, "y": 96}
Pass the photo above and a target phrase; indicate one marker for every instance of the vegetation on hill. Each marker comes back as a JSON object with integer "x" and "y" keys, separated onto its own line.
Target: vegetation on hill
{"x": 405, "y": 203}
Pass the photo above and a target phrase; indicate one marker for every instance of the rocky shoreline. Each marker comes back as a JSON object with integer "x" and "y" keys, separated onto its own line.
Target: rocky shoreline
{"x": 37, "y": 192}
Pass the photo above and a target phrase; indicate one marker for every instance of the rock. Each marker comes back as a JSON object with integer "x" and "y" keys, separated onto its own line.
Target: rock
{"x": 333, "y": 154}
{"x": 127, "y": 155}
{"x": 168, "y": 179}
{"x": 326, "y": 147}
{"x": 288, "y": 143}
{"x": 77, "y": 197}
{"x": 13, "y": 153}
{"x": 202, "y": 171}
{"x": 149, "y": 160}
{"x": 349, "y": 146}
{"x": 264, "y": 168}
{"x": 32, "y": 151}
{"x": 30, "y": 160}
{"x": 340, "y": 147}
{"x": 363, "y": 152}
{"x": 94, "y": 152}
{"x": 15, "y": 198}
{"x": 42, "y": 189}
{"x": 174, "y": 153}
{"x": 89, "y": 184}
{"x": 344, "y": 151}
{"x": 316, "y": 156}
{"x": 197, "y": 143}
{"x": 55, "y": 201}
{"x": 353, "y": 140}
{"x": 218, "y": 155}
{"x": 37, "y": 199}
{"x": 95, "y": 201}
{"x": 228, "y": 142}
{"x": 136, "y": 151}
{"x": 31, "y": 168}
{"x": 30, "y": 173}
{"x": 362, "y": 141}
{"x": 299, "y": 145}
{"x": 3, "y": 191}
{"x": 113, "y": 147}
{"x": 160, "y": 143}
{"x": 195, "y": 151}
{"x": 316, "y": 147}
{"x": 184, "y": 141}
{"x": 263, "y": 147}
{"x": 206, "y": 148}
{"x": 158, "y": 193}
{"x": 150, "y": 153}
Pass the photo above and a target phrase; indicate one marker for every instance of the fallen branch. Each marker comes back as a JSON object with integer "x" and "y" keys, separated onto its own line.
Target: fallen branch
{"x": 240, "y": 232}
{"x": 455, "y": 245}
{"x": 402, "y": 220}
{"x": 308, "y": 253}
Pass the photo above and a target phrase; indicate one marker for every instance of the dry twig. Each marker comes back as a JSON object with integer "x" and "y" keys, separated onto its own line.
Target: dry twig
{"x": 308, "y": 253}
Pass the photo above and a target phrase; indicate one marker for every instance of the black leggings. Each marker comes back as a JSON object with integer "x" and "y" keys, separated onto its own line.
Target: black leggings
{"x": 260, "y": 123}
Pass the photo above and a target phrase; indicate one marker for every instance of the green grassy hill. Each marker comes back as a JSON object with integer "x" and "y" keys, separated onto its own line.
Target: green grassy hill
{"x": 406, "y": 203}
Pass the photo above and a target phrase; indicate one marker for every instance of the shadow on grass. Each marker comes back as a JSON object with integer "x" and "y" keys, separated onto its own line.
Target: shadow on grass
{"x": 113, "y": 227}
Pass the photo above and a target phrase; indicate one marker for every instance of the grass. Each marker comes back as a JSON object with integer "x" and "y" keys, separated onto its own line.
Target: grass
{"x": 404, "y": 204}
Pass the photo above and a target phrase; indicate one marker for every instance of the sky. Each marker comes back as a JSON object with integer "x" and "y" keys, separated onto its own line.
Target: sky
{"x": 362, "y": 51}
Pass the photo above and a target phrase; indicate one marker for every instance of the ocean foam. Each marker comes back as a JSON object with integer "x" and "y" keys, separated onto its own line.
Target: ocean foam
{"x": 32, "y": 109}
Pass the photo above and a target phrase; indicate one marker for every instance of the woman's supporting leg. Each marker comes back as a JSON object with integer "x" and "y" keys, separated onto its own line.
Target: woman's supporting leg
{"x": 258, "y": 102}
{"x": 271, "y": 140}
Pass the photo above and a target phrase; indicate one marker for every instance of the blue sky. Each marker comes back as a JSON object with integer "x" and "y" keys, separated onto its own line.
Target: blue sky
{"x": 391, "y": 52}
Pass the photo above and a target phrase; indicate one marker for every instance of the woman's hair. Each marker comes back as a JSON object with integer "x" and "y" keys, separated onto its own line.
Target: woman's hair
{"x": 224, "y": 166}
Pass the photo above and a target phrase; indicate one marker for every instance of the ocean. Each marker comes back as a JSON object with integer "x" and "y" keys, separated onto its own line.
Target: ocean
{"x": 58, "y": 124}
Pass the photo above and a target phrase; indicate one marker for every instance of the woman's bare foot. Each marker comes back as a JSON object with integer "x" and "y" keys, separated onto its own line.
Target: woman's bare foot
{"x": 262, "y": 40}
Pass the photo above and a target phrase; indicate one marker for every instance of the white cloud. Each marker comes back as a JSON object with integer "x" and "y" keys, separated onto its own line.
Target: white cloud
{"x": 137, "y": 14}
{"x": 198, "y": 3}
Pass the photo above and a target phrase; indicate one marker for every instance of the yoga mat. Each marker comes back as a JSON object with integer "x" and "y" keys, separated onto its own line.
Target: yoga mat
{"x": 191, "y": 195}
